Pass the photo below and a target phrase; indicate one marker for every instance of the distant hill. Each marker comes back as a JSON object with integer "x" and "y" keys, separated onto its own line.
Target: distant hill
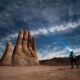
{"x": 58, "y": 61}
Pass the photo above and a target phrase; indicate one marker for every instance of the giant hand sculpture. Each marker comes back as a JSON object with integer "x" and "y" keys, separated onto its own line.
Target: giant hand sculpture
{"x": 25, "y": 52}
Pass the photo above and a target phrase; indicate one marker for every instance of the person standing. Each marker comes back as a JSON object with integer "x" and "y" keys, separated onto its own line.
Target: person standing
{"x": 73, "y": 59}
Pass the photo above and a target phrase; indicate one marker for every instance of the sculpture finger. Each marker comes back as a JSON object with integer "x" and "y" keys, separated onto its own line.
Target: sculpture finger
{"x": 34, "y": 47}
{"x": 25, "y": 49}
{"x": 20, "y": 35}
{"x": 33, "y": 44}
{"x": 18, "y": 47}
{"x": 29, "y": 39}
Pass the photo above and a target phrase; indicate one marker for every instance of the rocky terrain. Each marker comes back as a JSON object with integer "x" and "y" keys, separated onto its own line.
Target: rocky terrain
{"x": 58, "y": 61}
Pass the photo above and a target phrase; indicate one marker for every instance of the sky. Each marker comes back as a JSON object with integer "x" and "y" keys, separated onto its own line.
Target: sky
{"x": 54, "y": 23}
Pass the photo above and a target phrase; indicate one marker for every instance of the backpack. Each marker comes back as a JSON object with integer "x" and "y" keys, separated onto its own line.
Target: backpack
{"x": 74, "y": 56}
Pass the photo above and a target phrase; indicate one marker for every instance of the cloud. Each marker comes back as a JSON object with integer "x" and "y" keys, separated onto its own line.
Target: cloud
{"x": 46, "y": 31}
{"x": 39, "y": 32}
{"x": 9, "y": 37}
{"x": 48, "y": 54}
{"x": 51, "y": 55}
{"x": 2, "y": 48}
{"x": 56, "y": 52}
{"x": 74, "y": 8}
{"x": 68, "y": 26}
{"x": 56, "y": 28}
{"x": 77, "y": 51}
{"x": 39, "y": 17}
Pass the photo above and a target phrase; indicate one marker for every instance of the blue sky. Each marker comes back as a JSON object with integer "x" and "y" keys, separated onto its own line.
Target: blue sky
{"x": 54, "y": 23}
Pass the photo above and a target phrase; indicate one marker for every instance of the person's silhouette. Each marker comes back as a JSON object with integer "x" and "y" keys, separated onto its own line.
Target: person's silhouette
{"x": 73, "y": 59}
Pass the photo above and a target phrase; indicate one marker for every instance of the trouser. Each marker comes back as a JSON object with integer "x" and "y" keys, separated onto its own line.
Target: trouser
{"x": 74, "y": 61}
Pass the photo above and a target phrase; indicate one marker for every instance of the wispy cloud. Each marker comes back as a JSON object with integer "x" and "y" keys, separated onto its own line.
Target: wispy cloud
{"x": 56, "y": 28}
{"x": 56, "y": 52}
{"x": 2, "y": 48}
{"x": 48, "y": 54}
{"x": 9, "y": 37}
{"x": 46, "y": 31}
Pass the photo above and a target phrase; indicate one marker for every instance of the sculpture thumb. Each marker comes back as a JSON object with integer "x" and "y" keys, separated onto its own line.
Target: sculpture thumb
{"x": 7, "y": 56}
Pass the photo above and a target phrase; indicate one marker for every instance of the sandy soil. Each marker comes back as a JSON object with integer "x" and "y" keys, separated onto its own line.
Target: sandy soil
{"x": 39, "y": 73}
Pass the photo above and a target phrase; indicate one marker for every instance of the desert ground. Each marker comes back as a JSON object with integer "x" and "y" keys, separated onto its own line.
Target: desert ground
{"x": 39, "y": 73}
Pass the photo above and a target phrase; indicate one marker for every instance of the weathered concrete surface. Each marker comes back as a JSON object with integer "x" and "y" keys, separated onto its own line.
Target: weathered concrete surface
{"x": 39, "y": 73}
{"x": 25, "y": 52}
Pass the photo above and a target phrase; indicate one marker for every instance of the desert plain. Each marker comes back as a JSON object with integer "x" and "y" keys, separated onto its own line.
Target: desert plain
{"x": 39, "y": 73}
